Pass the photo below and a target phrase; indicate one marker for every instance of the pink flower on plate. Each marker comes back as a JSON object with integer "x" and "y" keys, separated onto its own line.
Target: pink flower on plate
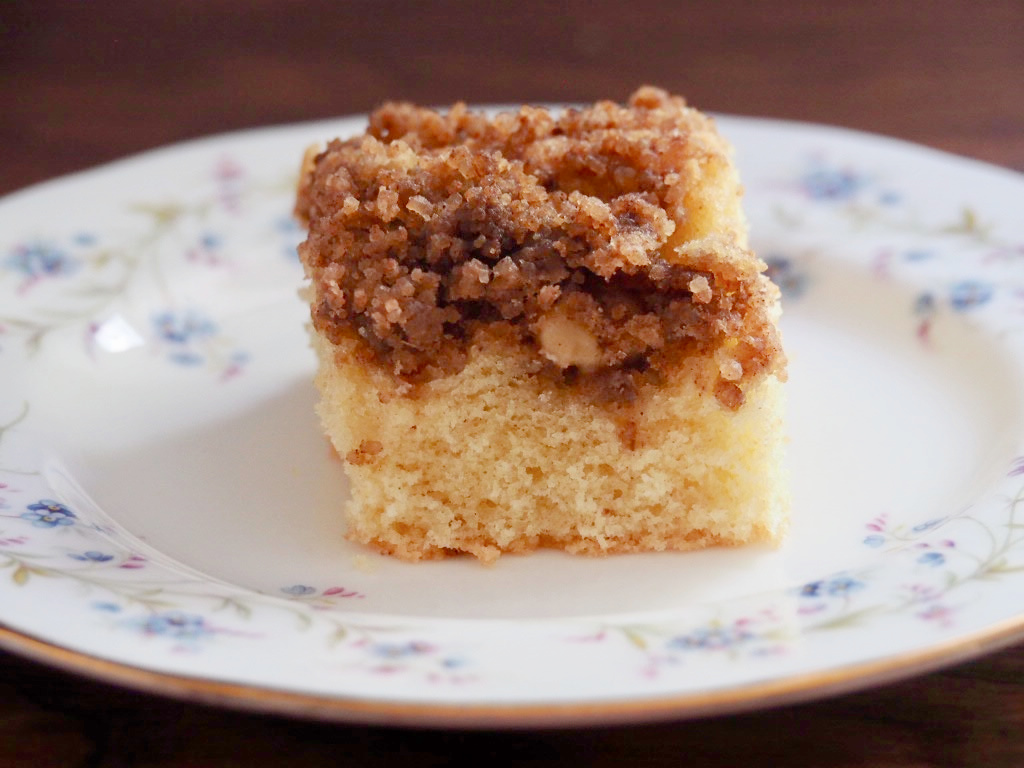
{"x": 937, "y": 613}
{"x": 341, "y": 592}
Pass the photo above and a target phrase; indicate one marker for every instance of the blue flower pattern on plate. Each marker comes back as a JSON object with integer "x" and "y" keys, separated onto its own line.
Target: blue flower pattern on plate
{"x": 49, "y": 514}
{"x": 37, "y": 261}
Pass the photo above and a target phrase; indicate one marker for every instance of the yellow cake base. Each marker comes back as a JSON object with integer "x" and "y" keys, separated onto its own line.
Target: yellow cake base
{"x": 495, "y": 459}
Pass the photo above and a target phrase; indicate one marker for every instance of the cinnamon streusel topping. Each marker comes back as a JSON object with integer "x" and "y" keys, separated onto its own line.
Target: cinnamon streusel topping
{"x": 583, "y": 235}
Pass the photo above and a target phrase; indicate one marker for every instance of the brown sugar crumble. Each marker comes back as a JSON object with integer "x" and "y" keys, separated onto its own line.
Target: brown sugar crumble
{"x": 579, "y": 234}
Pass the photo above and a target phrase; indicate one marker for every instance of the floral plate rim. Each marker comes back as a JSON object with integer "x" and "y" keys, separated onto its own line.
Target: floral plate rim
{"x": 755, "y": 696}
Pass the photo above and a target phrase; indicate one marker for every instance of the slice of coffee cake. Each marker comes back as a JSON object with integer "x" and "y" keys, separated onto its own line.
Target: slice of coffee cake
{"x": 544, "y": 330}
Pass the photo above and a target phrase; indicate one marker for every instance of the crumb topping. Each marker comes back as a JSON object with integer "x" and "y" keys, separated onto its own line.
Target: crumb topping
{"x": 583, "y": 235}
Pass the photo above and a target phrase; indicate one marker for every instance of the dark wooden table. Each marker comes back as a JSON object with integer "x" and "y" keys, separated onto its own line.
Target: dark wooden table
{"x": 86, "y": 82}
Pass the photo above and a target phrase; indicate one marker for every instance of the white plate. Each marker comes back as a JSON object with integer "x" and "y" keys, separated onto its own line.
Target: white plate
{"x": 168, "y": 506}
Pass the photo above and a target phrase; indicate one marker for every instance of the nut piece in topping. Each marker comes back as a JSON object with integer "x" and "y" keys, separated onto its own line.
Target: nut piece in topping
{"x": 567, "y": 343}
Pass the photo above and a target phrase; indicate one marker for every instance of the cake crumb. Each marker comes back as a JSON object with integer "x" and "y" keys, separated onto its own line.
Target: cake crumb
{"x": 365, "y": 453}
{"x": 364, "y": 564}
